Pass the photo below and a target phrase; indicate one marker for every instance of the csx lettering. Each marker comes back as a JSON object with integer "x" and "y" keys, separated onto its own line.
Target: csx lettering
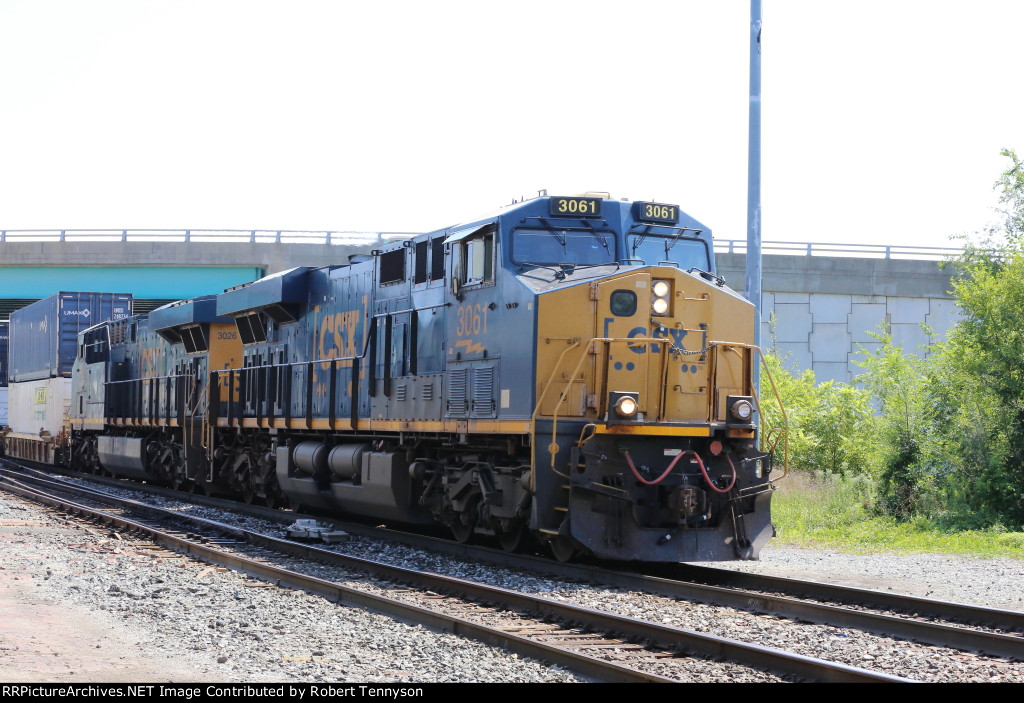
{"x": 338, "y": 335}
{"x": 472, "y": 319}
{"x": 677, "y": 336}
{"x": 150, "y": 362}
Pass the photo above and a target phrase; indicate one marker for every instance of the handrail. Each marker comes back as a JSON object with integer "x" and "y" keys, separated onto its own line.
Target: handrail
{"x": 251, "y": 236}
{"x": 757, "y": 403}
{"x": 353, "y": 238}
{"x": 867, "y": 251}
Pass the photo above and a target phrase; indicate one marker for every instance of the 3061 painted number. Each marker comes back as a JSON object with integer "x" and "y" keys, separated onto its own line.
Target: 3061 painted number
{"x": 472, "y": 320}
{"x": 659, "y": 212}
{"x": 585, "y": 207}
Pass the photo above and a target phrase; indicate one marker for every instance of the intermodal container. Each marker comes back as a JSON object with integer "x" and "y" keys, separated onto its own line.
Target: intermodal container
{"x": 3, "y": 407}
{"x": 4, "y": 327}
{"x": 44, "y": 335}
{"x": 38, "y": 407}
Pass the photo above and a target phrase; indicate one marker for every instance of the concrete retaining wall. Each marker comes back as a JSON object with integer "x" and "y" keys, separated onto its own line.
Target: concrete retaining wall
{"x": 820, "y": 310}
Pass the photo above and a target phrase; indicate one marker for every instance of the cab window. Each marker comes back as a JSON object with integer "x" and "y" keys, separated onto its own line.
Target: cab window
{"x": 478, "y": 253}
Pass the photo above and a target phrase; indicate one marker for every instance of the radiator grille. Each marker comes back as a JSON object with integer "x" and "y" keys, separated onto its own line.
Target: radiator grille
{"x": 483, "y": 391}
{"x": 458, "y": 401}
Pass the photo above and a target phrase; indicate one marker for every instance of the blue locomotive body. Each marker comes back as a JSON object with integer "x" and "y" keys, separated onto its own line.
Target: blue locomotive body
{"x": 473, "y": 376}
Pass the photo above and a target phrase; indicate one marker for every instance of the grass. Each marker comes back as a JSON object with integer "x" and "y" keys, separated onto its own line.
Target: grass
{"x": 836, "y": 513}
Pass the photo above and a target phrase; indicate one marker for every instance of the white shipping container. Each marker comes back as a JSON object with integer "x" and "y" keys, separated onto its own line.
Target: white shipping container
{"x": 3, "y": 406}
{"x": 39, "y": 406}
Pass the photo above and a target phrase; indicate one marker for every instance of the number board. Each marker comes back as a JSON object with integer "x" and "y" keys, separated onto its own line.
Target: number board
{"x": 580, "y": 207}
{"x": 656, "y": 212}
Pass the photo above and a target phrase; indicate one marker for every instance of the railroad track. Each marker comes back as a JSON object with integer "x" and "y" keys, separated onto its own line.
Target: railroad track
{"x": 598, "y": 644}
{"x": 936, "y": 623}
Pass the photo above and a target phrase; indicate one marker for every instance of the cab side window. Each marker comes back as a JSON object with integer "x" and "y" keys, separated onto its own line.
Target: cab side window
{"x": 478, "y": 255}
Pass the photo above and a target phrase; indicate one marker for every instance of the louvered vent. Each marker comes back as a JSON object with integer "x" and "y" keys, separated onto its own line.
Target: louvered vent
{"x": 458, "y": 401}
{"x": 428, "y": 391}
{"x": 401, "y": 391}
{"x": 483, "y": 391}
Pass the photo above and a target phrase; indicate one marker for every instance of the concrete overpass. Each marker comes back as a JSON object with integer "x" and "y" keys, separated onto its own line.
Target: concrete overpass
{"x": 820, "y": 302}
{"x": 159, "y": 266}
{"x": 820, "y": 306}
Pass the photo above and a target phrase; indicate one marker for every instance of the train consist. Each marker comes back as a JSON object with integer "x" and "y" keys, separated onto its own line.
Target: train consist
{"x": 568, "y": 370}
{"x": 4, "y": 336}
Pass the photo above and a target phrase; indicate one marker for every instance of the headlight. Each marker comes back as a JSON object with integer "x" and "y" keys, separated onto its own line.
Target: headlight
{"x": 660, "y": 292}
{"x": 742, "y": 410}
{"x": 626, "y": 407}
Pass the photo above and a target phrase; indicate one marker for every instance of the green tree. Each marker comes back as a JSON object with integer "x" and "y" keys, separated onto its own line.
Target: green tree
{"x": 978, "y": 402}
{"x": 831, "y": 425}
{"x": 896, "y": 382}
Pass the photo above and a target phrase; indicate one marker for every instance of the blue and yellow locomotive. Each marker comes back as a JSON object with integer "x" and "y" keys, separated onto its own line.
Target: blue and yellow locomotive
{"x": 568, "y": 369}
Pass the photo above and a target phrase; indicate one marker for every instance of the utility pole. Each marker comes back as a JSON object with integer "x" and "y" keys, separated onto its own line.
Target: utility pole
{"x": 753, "y": 273}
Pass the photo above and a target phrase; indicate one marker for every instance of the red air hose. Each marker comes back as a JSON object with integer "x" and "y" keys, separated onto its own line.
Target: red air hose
{"x": 712, "y": 486}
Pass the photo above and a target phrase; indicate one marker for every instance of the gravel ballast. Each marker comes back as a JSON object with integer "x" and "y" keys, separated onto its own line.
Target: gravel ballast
{"x": 224, "y": 626}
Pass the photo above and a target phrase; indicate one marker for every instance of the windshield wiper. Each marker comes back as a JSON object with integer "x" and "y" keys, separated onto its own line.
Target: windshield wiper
{"x": 668, "y": 246}
{"x": 560, "y": 272}
{"x": 598, "y": 236}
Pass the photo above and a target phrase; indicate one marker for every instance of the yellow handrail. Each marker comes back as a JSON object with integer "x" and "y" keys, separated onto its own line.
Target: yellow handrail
{"x": 757, "y": 402}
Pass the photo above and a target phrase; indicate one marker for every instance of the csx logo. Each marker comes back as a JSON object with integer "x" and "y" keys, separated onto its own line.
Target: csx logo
{"x": 152, "y": 361}
{"x": 338, "y": 334}
{"x": 659, "y": 333}
{"x": 676, "y": 335}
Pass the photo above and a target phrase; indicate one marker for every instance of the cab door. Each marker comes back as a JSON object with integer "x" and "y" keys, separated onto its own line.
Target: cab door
{"x": 624, "y": 313}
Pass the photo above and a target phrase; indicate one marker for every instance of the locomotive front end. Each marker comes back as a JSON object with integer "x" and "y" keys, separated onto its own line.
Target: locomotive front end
{"x": 646, "y": 446}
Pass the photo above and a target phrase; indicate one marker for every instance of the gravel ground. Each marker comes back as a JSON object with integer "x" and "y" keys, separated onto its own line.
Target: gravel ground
{"x": 237, "y": 620}
{"x": 997, "y": 583}
{"x": 211, "y": 623}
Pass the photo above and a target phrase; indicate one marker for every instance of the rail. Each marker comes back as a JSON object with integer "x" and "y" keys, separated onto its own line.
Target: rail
{"x": 863, "y": 251}
{"x": 349, "y": 237}
{"x": 251, "y": 236}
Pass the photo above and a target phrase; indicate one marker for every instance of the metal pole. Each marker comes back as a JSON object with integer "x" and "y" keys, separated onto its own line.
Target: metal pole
{"x": 753, "y": 279}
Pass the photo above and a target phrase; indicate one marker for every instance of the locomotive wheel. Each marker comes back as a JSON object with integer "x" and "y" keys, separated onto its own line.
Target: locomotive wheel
{"x": 461, "y": 532}
{"x": 464, "y": 522}
{"x": 512, "y": 540}
{"x": 563, "y": 549}
{"x": 277, "y": 500}
{"x": 180, "y": 482}
{"x": 249, "y": 494}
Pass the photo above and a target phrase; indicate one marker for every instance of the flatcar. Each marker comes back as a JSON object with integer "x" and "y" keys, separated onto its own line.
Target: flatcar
{"x": 568, "y": 370}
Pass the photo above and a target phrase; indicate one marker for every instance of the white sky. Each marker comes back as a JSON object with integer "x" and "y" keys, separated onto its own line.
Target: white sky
{"x": 882, "y": 121}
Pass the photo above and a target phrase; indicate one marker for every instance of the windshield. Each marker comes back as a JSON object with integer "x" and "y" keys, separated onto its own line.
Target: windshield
{"x": 688, "y": 252}
{"x": 561, "y": 246}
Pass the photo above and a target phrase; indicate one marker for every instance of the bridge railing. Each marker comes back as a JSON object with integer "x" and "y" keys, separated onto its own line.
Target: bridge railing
{"x": 252, "y": 236}
{"x": 353, "y": 238}
{"x": 863, "y": 251}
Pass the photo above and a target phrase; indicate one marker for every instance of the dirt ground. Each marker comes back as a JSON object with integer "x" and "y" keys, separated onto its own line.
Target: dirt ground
{"x": 43, "y": 641}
